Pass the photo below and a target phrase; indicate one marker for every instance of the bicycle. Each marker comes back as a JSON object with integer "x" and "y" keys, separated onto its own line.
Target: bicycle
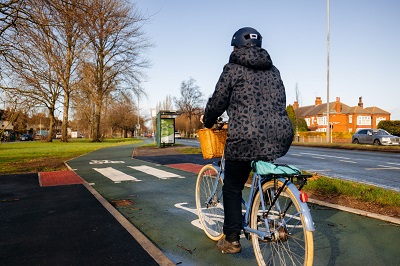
{"x": 275, "y": 217}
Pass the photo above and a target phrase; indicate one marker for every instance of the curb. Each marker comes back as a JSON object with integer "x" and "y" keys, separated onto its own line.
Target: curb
{"x": 153, "y": 251}
{"x": 356, "y": 211}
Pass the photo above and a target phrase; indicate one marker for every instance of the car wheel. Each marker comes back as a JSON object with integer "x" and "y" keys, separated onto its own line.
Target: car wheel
{"x": 355, "y": 141}
{"x": 377, "y": 142}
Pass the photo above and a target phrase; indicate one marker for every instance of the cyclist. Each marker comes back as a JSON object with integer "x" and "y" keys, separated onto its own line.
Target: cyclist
{"x": 252, "y": 93}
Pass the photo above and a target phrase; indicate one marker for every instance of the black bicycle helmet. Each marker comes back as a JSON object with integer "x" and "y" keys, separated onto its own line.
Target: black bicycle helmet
{"x": 246, "y": 35}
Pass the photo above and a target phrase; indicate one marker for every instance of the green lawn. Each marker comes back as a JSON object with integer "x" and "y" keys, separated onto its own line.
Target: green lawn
{"x": 34, "y": 156}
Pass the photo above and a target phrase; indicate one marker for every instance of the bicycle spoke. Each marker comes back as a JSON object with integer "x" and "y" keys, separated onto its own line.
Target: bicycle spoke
{"x": 209, "y": 202}
{"x": 288, "y": 239}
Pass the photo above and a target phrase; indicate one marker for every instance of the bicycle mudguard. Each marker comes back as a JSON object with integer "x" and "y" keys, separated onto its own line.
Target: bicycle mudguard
{"x": 266, "y": 168}
{"x": 303, "y": 206}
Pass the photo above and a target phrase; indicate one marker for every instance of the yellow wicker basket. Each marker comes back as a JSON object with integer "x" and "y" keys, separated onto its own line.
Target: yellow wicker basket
{"x": 212, "y": 142}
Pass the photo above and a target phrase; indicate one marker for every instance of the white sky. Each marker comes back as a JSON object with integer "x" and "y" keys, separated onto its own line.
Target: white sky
{"x": 192, "y": 39}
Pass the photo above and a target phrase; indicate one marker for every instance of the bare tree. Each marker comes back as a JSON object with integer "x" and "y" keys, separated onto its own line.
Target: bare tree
{"x": 123, "y": 114}
{"x": 30, "y": 65}
{"x": 113, "y": 28}
{"x": 168, "y": 104}
{"x": 83, "y": 100}
{"x": 65, "y": 29}
{"x": 53, "y": 32}
{"x": 11, "y": 11}
{"x": 190, "y": 101}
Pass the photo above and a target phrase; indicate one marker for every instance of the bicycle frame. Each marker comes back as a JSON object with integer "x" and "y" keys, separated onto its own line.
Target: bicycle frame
{"x": 256, "y": 186}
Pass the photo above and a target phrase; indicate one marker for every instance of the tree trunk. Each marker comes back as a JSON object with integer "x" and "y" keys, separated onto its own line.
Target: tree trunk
{"x": 51, "y": 126}
{"x": 96, "y": 122}
{"x": 64, "y": 132}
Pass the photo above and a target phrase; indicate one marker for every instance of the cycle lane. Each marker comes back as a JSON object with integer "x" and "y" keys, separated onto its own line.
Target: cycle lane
{"x": 163, "y": 209}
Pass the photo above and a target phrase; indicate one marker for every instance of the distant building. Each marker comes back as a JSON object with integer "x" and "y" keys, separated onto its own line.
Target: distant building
{"x": 4, "y": 123}
{"x": 342, "y": 117}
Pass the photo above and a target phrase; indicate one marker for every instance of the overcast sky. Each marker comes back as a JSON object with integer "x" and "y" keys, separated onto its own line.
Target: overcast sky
{"x": 192, "y": 39}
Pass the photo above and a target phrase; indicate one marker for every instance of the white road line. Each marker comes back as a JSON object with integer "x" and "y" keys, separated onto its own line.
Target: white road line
{"x": 394, "y": 163}
{"x": 383, "y": 167}
{"x": 328, "y": 156}
{"x": 104, "y": 161}
{"x": 316, "y": 157}
{"x": 155, "y": 172}
{"x": 345, "y": 161}
{"x": 115, "y": 175}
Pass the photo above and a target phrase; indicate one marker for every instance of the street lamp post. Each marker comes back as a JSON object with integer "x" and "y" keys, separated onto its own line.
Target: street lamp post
{"x": 328, "y": 129}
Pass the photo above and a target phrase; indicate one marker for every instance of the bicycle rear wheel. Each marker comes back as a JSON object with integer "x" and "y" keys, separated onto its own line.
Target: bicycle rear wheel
{"x": 290, "y": 243}
{"x": 209, "y": 202}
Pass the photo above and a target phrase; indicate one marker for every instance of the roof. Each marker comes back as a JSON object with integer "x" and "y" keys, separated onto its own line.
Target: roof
{"x": 320, "y": 110}
{"x": 377, "y": 110}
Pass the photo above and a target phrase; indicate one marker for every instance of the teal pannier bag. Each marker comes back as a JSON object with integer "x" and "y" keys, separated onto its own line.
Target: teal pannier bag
{"x": 265, "y": 168}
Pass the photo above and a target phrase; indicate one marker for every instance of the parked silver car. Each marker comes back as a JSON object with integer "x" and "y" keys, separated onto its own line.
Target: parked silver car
{"x": 375, "y": 137}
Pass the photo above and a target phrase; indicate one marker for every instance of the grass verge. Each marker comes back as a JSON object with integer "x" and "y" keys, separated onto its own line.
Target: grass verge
{"x": 36, "y": 156}
{"x": 332, "y": 187}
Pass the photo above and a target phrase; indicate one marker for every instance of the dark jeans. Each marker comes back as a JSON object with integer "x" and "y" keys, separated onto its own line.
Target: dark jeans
{"x": 236, "y": 174}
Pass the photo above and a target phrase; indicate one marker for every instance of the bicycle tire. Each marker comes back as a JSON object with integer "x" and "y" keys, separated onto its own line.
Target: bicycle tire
{"x": 291, "y": 244}
{"x": 211, "y": 215}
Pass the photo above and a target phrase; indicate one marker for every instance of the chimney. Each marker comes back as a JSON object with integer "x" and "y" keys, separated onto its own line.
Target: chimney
{"x": 318, "y": 101}
{"x": 360, "y": 103}
{"x": 338, "y": 105}
{"x": 295, "y": 105}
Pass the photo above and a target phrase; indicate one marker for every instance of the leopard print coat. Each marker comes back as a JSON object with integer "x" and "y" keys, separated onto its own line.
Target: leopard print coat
{"x": 250, "y": 89}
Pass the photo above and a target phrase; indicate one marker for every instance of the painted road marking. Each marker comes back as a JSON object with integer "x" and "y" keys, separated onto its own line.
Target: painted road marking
{"x": 196, "y": 222}
{"x": 155, "y": 172}
{"x": 188, "y": 167}
{"x": 345, "y": 161}
{"x": 394, "y": 163}
{"x": 104, "y": 161}
{"x": 384, "y": 167}
{"x": 328, "y": 156}
{"x": 115, "y": 175}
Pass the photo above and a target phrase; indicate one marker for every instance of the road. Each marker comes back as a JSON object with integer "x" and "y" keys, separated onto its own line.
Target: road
{"x": 158, "y": 199}
{"x": 380, "y": 169}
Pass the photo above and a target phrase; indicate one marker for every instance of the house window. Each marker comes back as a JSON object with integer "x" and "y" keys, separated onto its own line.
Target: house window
{"x": 379, "y": 119}
{"x": 364, "y": 120}
{"x": 350, "y": 119}
{"x": 307, "y": 121}
{"x": 321, "y": 120}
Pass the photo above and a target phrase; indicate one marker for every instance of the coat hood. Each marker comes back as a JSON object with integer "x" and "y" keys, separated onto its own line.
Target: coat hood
{"x": 251, "y": 57}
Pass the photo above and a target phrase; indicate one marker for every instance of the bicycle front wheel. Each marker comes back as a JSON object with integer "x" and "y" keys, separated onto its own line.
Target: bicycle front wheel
{"x": 209, "y": 202}
{"x": 289, "y": 242}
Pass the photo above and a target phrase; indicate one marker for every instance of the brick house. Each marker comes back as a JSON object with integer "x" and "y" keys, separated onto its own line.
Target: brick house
{"x": 342, "y": 117}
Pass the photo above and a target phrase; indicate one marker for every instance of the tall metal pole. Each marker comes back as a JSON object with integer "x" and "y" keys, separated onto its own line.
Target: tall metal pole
{"x": 138, "y": 110}
{"x": 328, "y": 129}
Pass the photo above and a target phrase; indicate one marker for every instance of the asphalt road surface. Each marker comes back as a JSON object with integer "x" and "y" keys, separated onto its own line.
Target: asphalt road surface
{"x": 380, "y": 169}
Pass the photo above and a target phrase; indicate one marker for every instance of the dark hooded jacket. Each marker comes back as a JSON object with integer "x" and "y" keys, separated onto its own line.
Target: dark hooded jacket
{"x": 250, "y": 89}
